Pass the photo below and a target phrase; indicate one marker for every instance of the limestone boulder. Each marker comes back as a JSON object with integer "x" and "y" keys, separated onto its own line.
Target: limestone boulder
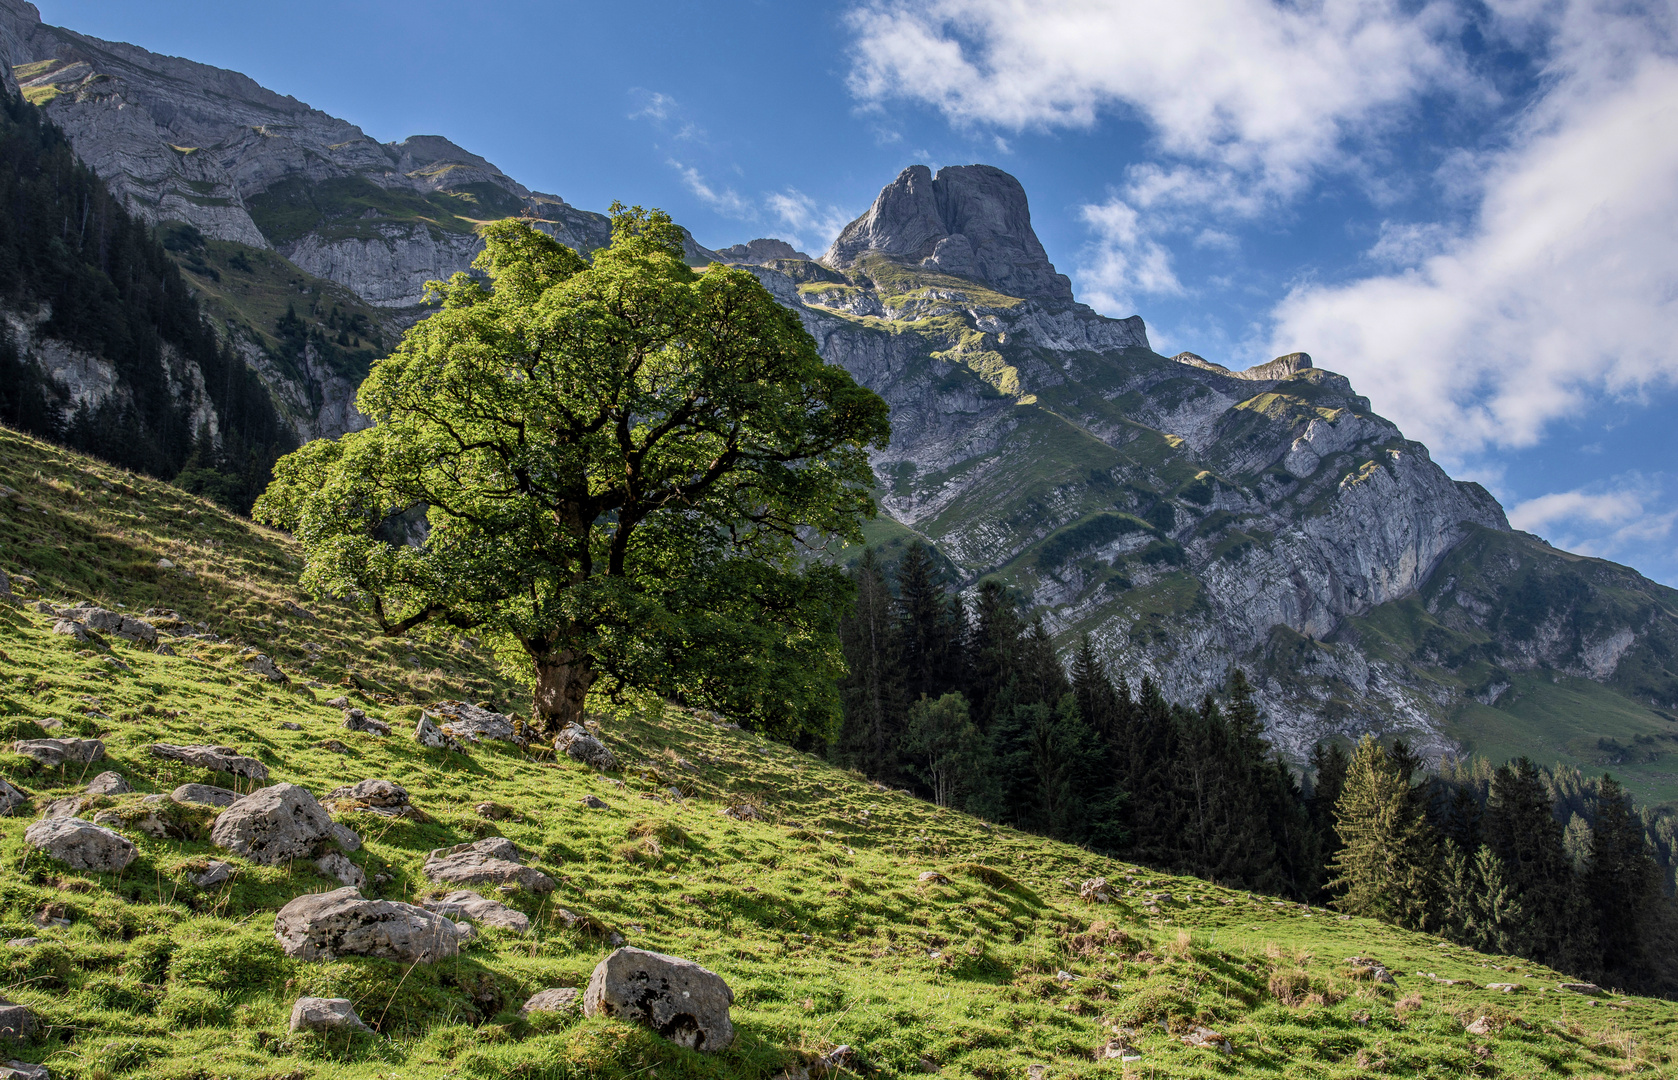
{"x": 204, "y": 795}
{"x": 576, "y": 743}
{"x": 466, "y": 906}
{"x": 337, "y": 865}
{"x": 11, "y": 798}
{"x": 272, "y": 825}
{"x": 15, "y": 1021}
{"x": 55, "y": 752}
{"x": 472, "y": 723}
{"x": 214, "y": 874}
{"x": 358, "y": 720}
{"x": 685, "y": 1003}
{"x": 263, "y": 665}
{"x": 116, "y": 623}
{"x": 1097, "y": 891}
{"x": 325, "y": 1014}
{"x": 325, "y": 926}
{"x": 23, "y": 1070}
{"x": 559, "y": 999}
{"x": 108, "y": 783}
{"x": 378, "y": 796}
{"x": 81, "y": 844}
{"x": 493, "y": 861}
{"x": 215, "y": 758}
{"x": 430, "y": 735}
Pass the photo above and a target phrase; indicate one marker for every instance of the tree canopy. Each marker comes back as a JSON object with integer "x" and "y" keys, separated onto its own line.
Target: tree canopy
{"x": 618, "y": 462}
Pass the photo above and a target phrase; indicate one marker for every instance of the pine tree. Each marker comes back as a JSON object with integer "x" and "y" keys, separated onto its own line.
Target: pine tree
{"x": 871, "y": 693}
{"x": 995, "y": 651}
{"x": 1481, "y": 909}
{"x": 1097, "y": 700}
{"x": 1386, "y": 865}
{"x": 926, "y": 626}
{"x": 1621, "y": 880}
{"x": 1328, "y": 779}
{"x": 1521, "y": 829}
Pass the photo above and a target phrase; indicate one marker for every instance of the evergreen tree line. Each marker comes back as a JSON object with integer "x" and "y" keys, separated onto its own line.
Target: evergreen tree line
{"x": 969, "y": 705}
{"x": 69, "y": 247}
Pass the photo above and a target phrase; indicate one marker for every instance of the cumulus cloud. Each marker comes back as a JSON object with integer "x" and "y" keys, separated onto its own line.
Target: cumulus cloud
{"x": 1122, "y": 261}
{"x": 1604, "y": 520}
{"x": 1563, "y": 290}
{"x": 804, "y": 220}
{"x": 1265, "y": 92}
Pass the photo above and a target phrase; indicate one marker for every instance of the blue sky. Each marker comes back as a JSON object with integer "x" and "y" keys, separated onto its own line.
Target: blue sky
{"x": 1469, "y": 208}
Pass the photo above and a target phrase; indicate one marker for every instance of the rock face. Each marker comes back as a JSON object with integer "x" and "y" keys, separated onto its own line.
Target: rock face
{"x": 325, "y": 926}
{"x": 969, "y": 220}
{"x": 325, "y": 1014}
{"x": 81, "y": 844}
{"x": 486, "y": 862}
{"x": 272, "y": 825}
{"x": 760, "y": 252}
{"x": 677, "y": 998}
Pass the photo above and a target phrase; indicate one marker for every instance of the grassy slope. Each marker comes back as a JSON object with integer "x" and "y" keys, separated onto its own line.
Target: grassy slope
{"x": 815, "y": 915}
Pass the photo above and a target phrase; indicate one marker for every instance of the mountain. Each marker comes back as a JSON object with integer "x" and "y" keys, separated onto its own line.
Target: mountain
{"x": 838, "y": 912}
{"x": 1186, "y": 517}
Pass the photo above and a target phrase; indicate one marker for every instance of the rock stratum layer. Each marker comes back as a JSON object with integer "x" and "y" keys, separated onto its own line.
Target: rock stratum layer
{"x": 1187, "y": 517}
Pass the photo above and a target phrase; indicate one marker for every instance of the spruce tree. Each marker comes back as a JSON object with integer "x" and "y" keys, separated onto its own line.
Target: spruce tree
{"x": 1521, "y": 829}
{"x": 1624, "y": 888}
{"x": 1385, "y": 867}
{"x": 871, "y": 692}
{"x": 926, "y": 626}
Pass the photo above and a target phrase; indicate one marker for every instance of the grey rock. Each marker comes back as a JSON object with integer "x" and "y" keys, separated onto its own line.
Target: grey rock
{"x": 148, "y": 823}
{"x": 214, "y": 874}
{"x": 81, "y": 844}
{"x": 970, "y": 220}
{"x": 164, "y": 650}
{"x": 429, "y": 734}
{"x": 108, "y": 783}
{"x": 561, "y": 999}
{"x": 470, "y": 723}
{"x": 23, "y": 942}
{"x": 23, "y": 1070}
{"x": 119, "y": 625}
{"x": 677, "y": 998}
{"x": 357, "y": 720}
{"x": 1580, "y": 988}
{"x": 55, "y": 752}
{"x": 325, "y": 1014}
{"x": 215, "y": 758}
{"x": 15, "y": 1021}
{"x": 67, "y": 807}
{"x": 11, "y": 798}
{"x": 576, "y": 743}
{"x": 272, "y": 825}
{"x": 71, "y": 629}
{"x": 339, "y": 702}
{"x": 377, "y": 794}
{"x": 493, "y": 811}
{"x": 1097, "y": 891}
{"x": 325, "y": 926}
{"x": 335, "y": 865}
{"x": 469, "y": 906}
{"x": 205, "y": 795}
{"x": 595, "y": 802}
{"x": 346, "y": 837}
{"x": 263, "y": 665}
{"x": 760, "y": 252}
{"x": 486, "y": 862}
{"x": 287, "y": 725}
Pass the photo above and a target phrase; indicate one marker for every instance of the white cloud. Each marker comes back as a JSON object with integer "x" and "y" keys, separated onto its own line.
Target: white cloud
{"x": 653, "y": 105}
{"x": 1261, "y": 92}
{"x": 806, "y": 220}
{"x": 724, "y": 201}
{"x": 1608, "y": 521}
{"x": 1123, "y": 260}
{"x": 1564, "y": 289}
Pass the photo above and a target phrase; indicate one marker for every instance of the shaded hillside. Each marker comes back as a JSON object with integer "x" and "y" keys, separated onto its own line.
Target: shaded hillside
{"x": 817, "y": 913}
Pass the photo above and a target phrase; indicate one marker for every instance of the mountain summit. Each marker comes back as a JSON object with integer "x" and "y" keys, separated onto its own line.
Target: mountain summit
{"x": 969, "y": 220}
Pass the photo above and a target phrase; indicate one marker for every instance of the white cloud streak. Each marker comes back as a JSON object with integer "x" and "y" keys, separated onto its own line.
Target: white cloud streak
{"x": 807, "y": 221}
{"x": 725, "y": 201}
{"x": 1608, "y": 521}
{"x": 1565, "y": 288}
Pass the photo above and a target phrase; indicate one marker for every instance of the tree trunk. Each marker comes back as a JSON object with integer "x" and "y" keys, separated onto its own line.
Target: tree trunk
{"x": 562, "y": 682}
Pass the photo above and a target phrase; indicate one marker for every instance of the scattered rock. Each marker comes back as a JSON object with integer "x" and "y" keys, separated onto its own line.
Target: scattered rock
{"x": 494, "y": 811}
{"x": 108, "y": 783}
{"x": 471, "y": 722}
{"x": 485, "y": 862}
{"x": 215, "y": 758}
{"x": 1481, "y": 1026}
{"x": 71, "y": 629}
{"x": 334, "y": 745}
{"x": 375, "y": 796}
{"x": 272, "y": 825}
{"x": 1365, "y": 968}
{"x": 147, "y": 822}
{"x": 357, "y": 720}
{"x": 1506, "y": 988}
{"x": 842, "y": 1056}
{"x": 82, "y": 844}
{"x": 558, "y": 999}
{"x": 165, "y": 564}
{"x": 123, "y": 626}
{"x": 334, "y": 865}
{"x": 263, "y": 665}
{"x": 69, "y": 806}
{"x": 677, "y": 998}
{"x": 204, "y": 795}
{"x": 576, "y": 743}
{"x": 339, "y": 702}
{"x": 1580, "y": 987}
{"x": 346, "y": 836}
{"x": 164, "y": 650}
{"x": 214, "y": 874}
{"x": 325, "y": 1014}
{"x": 1097, "y": 891}
{"x": 932, "y": 877}
{"x": 23, "y": 942}
{"x": 287, "y": 725}
{"x": 325, "y": 926}
{"x": 929, "y": 1066}
{"x": 469, "y": 906}
{"x": 15, "y": 1021}
{"x": 11, "y": 798}
{"x": 22, "y": 1070}
{"x": 1207, "y": 1038}
{"x": 55, "y": 752}
{"x": 1119, "y": 1049}
{"x": 742, "y": 812}
{"x": 595, "y": 802}
{"x": 428, "y": 734}
{"x": 292, "y": 607}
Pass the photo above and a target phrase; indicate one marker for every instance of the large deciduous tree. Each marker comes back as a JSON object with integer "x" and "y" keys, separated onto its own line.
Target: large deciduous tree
{"x": 617, "y": 460}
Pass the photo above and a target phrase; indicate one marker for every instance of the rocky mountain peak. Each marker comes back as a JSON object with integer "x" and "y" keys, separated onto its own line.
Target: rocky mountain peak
{"x": 969, "y": 220}
{"x": 760, "y": 252}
